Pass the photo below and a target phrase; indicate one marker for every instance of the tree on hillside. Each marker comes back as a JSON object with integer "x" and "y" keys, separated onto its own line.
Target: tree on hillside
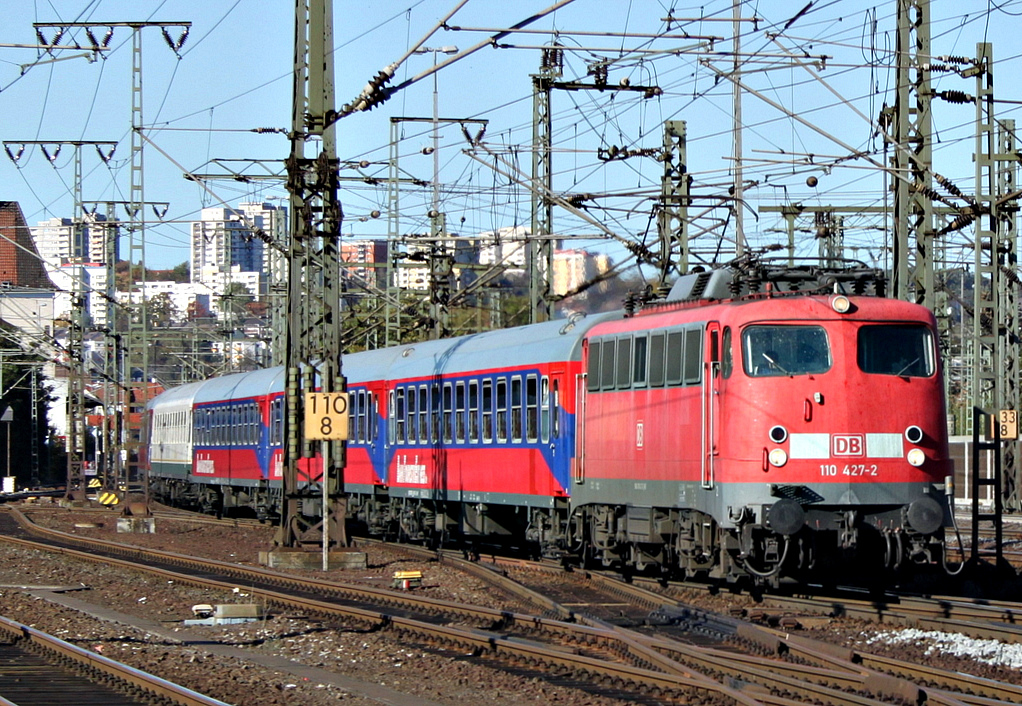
{"x": 162, "y": 312}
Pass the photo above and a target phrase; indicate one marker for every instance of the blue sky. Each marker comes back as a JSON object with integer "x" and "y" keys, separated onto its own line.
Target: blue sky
{"x": 233, "y": 75}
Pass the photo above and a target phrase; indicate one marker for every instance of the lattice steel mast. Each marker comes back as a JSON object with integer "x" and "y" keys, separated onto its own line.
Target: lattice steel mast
{"x": 313, "y": 336}
{"x": 913, "y": 160}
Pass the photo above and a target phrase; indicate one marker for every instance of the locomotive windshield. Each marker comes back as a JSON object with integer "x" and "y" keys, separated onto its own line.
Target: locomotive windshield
{"x": 771, "y": 350}
{"x": 905, "y": 350}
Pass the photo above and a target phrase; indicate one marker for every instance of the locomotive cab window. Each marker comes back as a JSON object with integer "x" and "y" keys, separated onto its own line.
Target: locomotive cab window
{"x": 656, "y": 360}
{"x": 693, "y": 356}
{"x": 639, "y": 361}
{"x": 785, "y": 349}
{"x": 726, "y": 361}
{"x": 624, "y": 363}
{"x": 593, "y": 370}
{"x": 607, "y": 363}
{"x": 903, "y": 350}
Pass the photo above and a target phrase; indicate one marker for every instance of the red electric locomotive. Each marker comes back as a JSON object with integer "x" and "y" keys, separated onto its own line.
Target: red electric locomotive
{"x": 769, "y": 434}
{"x": 761, "y": 422}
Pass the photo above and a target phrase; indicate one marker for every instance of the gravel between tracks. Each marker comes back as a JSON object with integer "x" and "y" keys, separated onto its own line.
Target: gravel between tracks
{"x": 373, "y": 658}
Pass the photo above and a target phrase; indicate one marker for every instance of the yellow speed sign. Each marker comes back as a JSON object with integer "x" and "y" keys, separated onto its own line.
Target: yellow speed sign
{"x": 326, "y": 416}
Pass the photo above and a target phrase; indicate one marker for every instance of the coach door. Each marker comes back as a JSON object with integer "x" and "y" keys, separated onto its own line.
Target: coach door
{"x": 710, "y": 403}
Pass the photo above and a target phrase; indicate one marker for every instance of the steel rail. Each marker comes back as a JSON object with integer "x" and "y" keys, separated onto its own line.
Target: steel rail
{"x": 87, "y": 662}
{"x": 693, "y": 688}
{"x": 914, "y": 613}
{"x": 835, "y": 678}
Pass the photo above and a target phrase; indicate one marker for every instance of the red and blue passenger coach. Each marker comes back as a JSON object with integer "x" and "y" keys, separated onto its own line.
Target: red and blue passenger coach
{"x": 474, "y": 435}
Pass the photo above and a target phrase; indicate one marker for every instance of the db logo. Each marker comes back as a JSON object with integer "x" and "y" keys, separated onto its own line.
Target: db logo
{"x": 848, "y": 445}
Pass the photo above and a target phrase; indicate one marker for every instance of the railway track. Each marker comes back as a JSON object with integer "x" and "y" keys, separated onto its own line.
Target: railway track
{"x": 831, "y": 667}
{"x": 37, "y": 669}
{"x": 579, "y": 645}
{"x": 775, "y": 661}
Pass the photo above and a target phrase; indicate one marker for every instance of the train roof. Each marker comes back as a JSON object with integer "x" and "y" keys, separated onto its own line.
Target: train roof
{"x": 241, "y": 385}
{"x": 535, "y": 344}
{"x": 181, "y": 396}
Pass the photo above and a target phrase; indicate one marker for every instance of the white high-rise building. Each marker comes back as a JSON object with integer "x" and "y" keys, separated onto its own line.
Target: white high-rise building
{"x": 93, "y": 280}
{"x": 222, "y": 239}
{"x": 505, "y": 248}
{"x": 65, "y": 263}
{"x": 54, "y": 240}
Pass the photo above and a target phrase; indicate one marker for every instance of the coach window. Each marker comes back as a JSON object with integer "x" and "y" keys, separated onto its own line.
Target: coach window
{"x": 639, "y": 361}
{"x": 609, "y": 349}
{"x": 367, "y": 411}
{"x": 435, "y": 413}
{"x": 372, "y": 425}
{"x": 358, "y": 414}
{"x": 473, "y": 410}
{"x": 459, "y": 413}
{"x": 391, "y": 425}
{"x": 531, "y": 409}
{"x": 487, "y": 411}
{"x": 675, "y": 357}
{"x": 544, "y": 409}
{"x": 276, "y": 421}
{"x": 516, "y": 409}
{"x": 693, "y": 356}
{"x": 399, "y": 414}
{"x": 448, "y": 412}
{"x": 904, "y": 350}
{"x": 593, "y": 370}
{"x": 555, "y": 412}
{"x": 624, "y": 362}
{"x": 413, "y": 415}
{"x": 502, "y": 410}
{"x": 423, "y": 414}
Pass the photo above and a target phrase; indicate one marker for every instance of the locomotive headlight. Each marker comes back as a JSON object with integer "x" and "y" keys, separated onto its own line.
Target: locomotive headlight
{"x": 778, "y": 457}
{"x": 915, "y": 457}
{"x": 841, "y": 304}
{"x": 914, "y": 434}
{"x": 778, "y": 434}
